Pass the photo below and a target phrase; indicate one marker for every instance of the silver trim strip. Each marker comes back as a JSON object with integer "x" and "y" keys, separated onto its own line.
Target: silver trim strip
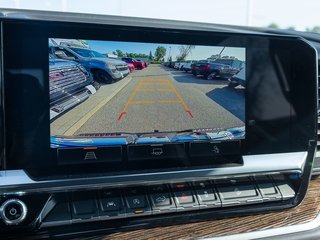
{"x": 17, "y": 180}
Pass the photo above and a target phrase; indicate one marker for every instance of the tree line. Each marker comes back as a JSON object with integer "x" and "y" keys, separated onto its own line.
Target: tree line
{"x": 315, "y": 29}
{"x": 159, "y": 54}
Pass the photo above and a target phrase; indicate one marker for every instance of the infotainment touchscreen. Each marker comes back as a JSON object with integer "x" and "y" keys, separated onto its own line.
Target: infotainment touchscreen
{"x": 125, "y": 97}
{"x": 105, "y": 93}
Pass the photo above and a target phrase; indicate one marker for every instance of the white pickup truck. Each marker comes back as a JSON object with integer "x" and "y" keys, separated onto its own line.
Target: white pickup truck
{"x": 187, "y": 65}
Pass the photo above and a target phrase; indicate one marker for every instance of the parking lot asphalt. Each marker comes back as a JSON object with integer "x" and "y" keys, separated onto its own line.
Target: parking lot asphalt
{"x": 162, "y": 99}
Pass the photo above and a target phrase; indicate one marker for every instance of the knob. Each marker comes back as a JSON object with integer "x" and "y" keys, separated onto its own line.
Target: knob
{"x": 13, "y": 211}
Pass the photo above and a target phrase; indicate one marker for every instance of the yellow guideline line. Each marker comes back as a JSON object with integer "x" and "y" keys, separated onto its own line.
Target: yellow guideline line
{"x": 169, "y": 101}
{"x": 154, "y": 83}
{"x": 163, "y": 82}
{"x": 132, "y": 95}
{"x": 147, "y": 90}
{"x": 164, "y": 90}
{"x": 141, "y": 102}
{"x": 154, "y": 80}
{"x": 178, "y": 95}
{"x": 155, "y": 90}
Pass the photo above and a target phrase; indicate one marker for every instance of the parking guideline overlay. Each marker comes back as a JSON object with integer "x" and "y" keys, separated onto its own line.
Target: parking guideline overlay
{"x": 146, "y": 82}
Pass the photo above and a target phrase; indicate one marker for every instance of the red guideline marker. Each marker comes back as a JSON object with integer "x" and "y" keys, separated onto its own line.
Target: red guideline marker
{"x": 123, "y": 113}
{"x": 190, "y": 113}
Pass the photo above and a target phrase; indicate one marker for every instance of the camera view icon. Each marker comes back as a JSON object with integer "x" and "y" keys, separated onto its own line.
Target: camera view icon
{"x": 157, "y": 151}
{"x": 216, "y": 149}
{"x": 90, "y": 156}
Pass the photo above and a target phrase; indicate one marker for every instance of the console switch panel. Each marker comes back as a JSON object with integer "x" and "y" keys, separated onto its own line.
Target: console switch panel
{"x": 237, "y": 191}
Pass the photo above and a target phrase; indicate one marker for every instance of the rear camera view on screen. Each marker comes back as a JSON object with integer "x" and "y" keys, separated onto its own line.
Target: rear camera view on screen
{"x": 105, "y": 93}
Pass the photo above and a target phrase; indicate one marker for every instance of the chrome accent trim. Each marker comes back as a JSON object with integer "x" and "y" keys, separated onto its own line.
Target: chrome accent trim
{"x": 18, "y": 220}
{"x": 12, "y": 181}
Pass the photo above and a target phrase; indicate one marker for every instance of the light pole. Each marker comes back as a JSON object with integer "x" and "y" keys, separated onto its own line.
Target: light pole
{"x": 249, "y": 9}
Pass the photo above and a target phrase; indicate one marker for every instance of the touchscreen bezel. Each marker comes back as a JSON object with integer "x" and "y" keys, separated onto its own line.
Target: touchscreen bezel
{"x": 25, "y": 56}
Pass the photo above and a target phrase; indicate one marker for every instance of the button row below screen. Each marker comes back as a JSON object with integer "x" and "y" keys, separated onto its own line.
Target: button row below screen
{"x": 176, "y": 197}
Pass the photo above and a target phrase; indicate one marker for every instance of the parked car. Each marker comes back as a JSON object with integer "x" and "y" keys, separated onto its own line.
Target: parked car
{"x": 187, "y": 65}
{"x": 223, "y": 68}
{"x": 69, "y": 84}
{"x": 176, "y": 64}
{"x": 137, "y": 64}
{"x": 181, "y": 65}
{"x": 239, "y": 78}
{"x": 171, "y": 64}
{"x": 145, "y": 62}
{"x": 104, "y": 69}
{"x": 130, "y": 66}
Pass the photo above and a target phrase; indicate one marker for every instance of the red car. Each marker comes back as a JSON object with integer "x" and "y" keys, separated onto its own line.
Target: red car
{"x": 137, "y": 64}
{"x": 130, "y": 66}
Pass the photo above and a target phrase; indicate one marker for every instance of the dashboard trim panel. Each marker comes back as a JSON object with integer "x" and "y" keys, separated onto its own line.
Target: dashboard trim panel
{"x": 18, "y": 180}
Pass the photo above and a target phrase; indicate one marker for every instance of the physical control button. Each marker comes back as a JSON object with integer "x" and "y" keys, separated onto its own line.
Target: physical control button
{"x": 206, "y": 194}
{"x": 161, "y": 199}
{"x": 110, "y": 200}
{"x": 184, "y": 196}
{"x": 284, "y": 186}
{"x": 111, "y": 203}
{"x": 137, "y": 202}
{"x": 84, "y": 205}
{"x": 13, "y": 211}
{"x": 267, "y": 189}
{"x": 237, "y": 191}
{"x": 241, "y": 191}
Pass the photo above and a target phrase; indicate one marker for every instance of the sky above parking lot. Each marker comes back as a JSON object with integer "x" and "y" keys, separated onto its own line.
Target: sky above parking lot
{"x": 286, "y": 13}
{"x": 198, "y": 53}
